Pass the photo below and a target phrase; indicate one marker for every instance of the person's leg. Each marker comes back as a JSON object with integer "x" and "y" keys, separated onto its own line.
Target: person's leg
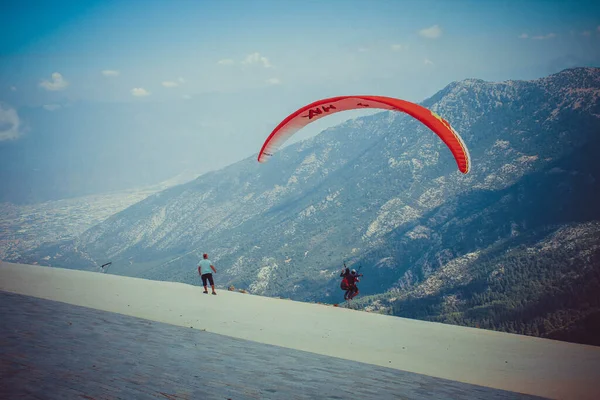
{"x": 204, "y": 279}
{"x": 351, "y": 292}
{"x": 212, "y": 283}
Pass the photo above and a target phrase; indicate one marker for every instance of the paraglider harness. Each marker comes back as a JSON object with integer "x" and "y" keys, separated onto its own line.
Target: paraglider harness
{"x": 345, "y": 272}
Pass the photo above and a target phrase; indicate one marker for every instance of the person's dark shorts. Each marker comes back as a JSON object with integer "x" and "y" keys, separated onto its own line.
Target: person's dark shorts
{"x": 207, "y": 277}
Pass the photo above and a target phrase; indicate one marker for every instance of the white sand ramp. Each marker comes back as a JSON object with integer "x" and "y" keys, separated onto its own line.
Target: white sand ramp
{"x": 517, "y": 363}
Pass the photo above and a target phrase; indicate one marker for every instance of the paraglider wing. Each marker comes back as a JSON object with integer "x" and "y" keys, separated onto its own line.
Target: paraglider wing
{"x": 325, "y": 107}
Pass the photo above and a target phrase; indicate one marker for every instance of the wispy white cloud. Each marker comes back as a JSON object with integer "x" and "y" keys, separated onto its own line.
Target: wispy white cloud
{"x": 256, "y": 58}
{"x": 10, "y": 124}
{"x": 362, "y": 49}
{"x": 140, "y": 92}
{"x": 170, "y": 84}
{"x": 398, "y": 47}
{"x": 427, "y": 61}
{"x": 598, "y": 28}
{"x": 586, "y": 33}
{"x": 186, "y": 97}
{"x": 52, "y": 107}
{"x": 57, "y": 82}
{"x": 538, "y": 37}
{"x": 433, "y": 32}
{"x": 274, "y": 81}
{"x": 544, "y": 37}
{"x": 13, "y": 88}
{"x": 110, "y": 72}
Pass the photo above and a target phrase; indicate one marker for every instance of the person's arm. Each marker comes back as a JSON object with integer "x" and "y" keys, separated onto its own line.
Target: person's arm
{"x": 213, "y": 268}
{"x": 199, "y": 270}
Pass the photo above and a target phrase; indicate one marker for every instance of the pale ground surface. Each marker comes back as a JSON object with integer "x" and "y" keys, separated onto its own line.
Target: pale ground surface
{"x": 517, "y": 363}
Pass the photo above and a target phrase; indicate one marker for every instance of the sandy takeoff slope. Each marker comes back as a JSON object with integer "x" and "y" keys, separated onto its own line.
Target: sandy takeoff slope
{"x": 511, "y": 362}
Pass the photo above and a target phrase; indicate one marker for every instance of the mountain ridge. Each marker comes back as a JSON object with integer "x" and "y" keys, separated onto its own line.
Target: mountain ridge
{"x": 380, "y": 191}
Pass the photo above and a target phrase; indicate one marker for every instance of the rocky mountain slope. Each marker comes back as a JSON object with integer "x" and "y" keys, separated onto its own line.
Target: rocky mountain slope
{"x": 380, "y": 191}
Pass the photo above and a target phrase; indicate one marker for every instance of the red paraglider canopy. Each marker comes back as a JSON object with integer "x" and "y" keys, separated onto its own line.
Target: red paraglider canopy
{"x": 324, "y": 107}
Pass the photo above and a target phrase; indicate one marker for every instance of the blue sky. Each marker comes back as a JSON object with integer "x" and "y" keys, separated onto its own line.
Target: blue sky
{"x": 251, "y": 62}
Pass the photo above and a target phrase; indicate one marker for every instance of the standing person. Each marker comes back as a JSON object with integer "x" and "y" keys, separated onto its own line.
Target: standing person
{"x": 206, "y": 265}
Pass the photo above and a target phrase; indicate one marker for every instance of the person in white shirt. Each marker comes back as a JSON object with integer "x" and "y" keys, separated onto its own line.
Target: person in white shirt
{"x": 204, "y": 267}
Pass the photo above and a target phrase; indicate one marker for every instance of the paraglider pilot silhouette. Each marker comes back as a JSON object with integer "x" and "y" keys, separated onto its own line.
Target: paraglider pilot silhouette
{"x": 349, "y": 281}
